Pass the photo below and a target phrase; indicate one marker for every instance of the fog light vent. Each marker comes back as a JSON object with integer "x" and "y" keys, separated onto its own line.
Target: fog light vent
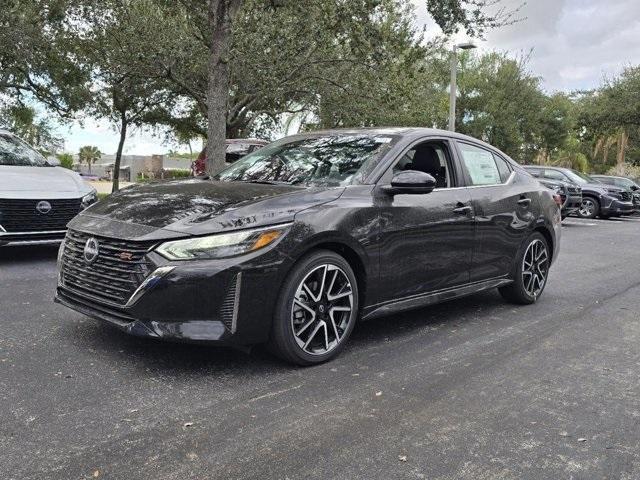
{"x": 229, "y": 308}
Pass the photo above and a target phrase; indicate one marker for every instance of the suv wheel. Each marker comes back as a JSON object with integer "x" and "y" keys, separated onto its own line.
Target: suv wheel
{"x": 316, "y": 311}
{"x": 531, "y": 272}
{"x": 590, "y": 208}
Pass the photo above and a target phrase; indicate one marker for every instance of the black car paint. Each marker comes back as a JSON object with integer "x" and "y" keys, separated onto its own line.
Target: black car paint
{"x": 406, "y": 250}
{"x": 570, "y": 193}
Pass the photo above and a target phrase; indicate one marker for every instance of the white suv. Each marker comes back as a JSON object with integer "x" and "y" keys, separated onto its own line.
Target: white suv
{"x": 37, "y": 199}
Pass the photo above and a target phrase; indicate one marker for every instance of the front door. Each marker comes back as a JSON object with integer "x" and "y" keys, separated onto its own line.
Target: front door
{"x": 426, "y": 240}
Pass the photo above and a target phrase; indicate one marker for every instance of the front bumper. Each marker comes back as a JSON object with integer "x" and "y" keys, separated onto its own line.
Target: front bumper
{"x": 31, "y": 238}
{"x": 614, "y": 207}
{"x": 213, "y": 301}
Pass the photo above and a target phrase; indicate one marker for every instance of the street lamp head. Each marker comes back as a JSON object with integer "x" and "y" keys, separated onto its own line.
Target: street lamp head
{"x": 466, "y": 46}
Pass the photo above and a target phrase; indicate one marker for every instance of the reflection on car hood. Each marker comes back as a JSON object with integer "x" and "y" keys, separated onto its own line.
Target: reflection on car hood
{"x": 611, "y": 188}
{"x": 197, "y": 207}
{"x": 40, "y": 182}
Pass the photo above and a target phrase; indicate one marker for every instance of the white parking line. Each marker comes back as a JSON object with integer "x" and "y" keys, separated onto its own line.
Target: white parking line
{"x": 569, "y": 223}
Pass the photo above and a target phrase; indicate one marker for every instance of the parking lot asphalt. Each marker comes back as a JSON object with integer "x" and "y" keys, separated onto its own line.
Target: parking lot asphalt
{"x": 472, "y": 389}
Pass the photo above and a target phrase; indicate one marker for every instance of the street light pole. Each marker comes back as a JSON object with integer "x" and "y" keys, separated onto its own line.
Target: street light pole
{"x": 454, "y": 82}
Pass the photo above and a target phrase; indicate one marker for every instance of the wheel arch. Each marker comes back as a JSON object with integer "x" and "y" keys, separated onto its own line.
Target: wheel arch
{"x": 544, "y": 231}
{"x": 353, "y": 254}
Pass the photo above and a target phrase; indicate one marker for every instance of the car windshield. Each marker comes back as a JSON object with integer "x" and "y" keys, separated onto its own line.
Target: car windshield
{"x": 329, "y": 160}
{"x": 14, "y": 152}
{"x": 579, "y": 178}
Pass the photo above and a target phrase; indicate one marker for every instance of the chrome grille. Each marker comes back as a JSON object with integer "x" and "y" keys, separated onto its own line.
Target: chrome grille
{"x": 113, "y": 276}
{"x": 19, "y": 215}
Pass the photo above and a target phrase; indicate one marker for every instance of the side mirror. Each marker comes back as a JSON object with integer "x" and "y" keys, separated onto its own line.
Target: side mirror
{"x": 410, "y": 182}
{"x": 635, "y": 188}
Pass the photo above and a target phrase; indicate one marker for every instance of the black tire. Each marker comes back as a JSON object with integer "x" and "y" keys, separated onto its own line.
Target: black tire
{"x": 283, "y": 341}
{"x": 517, "y": 292}
{"x": 590, "y": 208}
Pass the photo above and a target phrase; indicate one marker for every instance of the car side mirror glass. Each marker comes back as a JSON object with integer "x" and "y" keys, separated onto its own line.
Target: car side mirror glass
{"x": 411, "y": 182}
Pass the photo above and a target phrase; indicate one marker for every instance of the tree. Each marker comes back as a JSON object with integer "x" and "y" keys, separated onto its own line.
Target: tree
{"x": 89, "y": 155}
{"x": 103, "y": 33}
{"x": 66, "y": 160}
{"x": 241, "y": 63}
{"x": 37, "y": 60}
{"x": 500, "y": 102}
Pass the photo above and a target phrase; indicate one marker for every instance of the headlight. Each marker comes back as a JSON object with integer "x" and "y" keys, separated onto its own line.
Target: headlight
{"x": 89, "y": 199}
{"x": 222, "y": 245}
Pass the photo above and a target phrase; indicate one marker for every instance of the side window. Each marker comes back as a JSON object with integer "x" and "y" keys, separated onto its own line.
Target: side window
{"x": 554, "y": 175}
{"x": 535, "y": 172}
{"x": 503, "y": 168}
{"x": 480, "y": 164}
{"x": 429, "y": 157}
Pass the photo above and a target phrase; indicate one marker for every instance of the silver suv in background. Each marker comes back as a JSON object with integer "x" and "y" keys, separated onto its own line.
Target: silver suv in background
{"x": 37, "y": 199}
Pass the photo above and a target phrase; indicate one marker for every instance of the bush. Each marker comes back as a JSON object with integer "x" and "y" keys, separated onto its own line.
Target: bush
{"x": 66, "y": 160}
{"x": 625, "y": 170}
{"x": 165, "y": 174}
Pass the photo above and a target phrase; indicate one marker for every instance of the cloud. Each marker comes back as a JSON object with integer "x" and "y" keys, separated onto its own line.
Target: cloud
{"x": 574, "y": 43}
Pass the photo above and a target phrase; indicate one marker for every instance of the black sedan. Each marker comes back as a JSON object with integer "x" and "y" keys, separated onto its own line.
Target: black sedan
{"x": 294, "y": 243}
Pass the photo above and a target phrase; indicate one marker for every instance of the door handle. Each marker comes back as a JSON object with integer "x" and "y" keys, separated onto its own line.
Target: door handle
{"x": 524, "y": 202}
{"x": 462, "y": 210}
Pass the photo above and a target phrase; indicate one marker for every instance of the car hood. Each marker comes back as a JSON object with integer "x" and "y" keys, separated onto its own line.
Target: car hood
{"x": 40, "y": 182}
{"x": 600, "y": 186}
{"x": 197, "y": 207}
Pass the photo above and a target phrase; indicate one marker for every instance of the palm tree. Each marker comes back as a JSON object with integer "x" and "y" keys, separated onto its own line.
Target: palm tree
{"x": 90, "y": 155}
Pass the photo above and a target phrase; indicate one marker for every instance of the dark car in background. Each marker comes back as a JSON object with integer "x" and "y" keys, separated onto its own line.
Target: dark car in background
{"x": 598, "y": 199}
{"x": 294, "y": 243}
{"x": 236, "y": 148}
{"x": 622, "y": 182}
{"x": 569, "y": 194}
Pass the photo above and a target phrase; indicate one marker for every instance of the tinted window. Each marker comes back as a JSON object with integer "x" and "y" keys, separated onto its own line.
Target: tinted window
{"x": 536, "y": 172}
{"x": 429, "y": 157}
{"x": 554, "y": 175}
{"x": 503, "y": 168}
{"x": 480, "y": 164}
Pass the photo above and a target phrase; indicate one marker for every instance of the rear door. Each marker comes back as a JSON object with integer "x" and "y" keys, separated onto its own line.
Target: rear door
{"x": 504, "y": 207}
{"x": 426, "y": 240}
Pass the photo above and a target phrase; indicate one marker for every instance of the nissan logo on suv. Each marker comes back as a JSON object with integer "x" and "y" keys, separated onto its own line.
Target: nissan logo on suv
{"x": 91, "y": 250}
{"x": 43, "y": 207}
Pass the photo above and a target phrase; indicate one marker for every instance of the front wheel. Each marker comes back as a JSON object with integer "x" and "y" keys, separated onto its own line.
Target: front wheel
{"x": 316, "y": 311}
{"x": 531, "y": 272}
{"x": 590, "y": 208}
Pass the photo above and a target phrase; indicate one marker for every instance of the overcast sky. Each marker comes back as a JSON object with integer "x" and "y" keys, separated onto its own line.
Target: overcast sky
{"x": 575, "y": 43}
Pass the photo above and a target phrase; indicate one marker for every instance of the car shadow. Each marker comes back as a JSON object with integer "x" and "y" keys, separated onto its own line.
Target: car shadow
{"x": 171, "y": 358}
{"x": 28, "y": 253}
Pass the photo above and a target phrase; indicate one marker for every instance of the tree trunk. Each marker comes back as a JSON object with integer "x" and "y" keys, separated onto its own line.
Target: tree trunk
{"x": 221, "y": 14}
{"x": 118, "y": 161}
{"x": 622, "y": 147}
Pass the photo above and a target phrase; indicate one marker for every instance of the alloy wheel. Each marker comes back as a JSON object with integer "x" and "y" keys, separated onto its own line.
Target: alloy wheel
{"x": 587, "y": 208}
{"x": 322, "y": 309}
{"x": 535, "y": 268}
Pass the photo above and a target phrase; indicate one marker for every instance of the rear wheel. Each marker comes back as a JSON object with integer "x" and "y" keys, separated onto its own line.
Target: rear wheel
{"x": 316, "y": 311}
{"x": 531, "y": 272}
{"x": 590, "y": 208}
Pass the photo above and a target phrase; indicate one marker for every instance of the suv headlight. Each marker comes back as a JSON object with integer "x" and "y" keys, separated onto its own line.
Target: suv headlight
{"x": 89, "y": 199}
{"x": 222, "y": 245}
